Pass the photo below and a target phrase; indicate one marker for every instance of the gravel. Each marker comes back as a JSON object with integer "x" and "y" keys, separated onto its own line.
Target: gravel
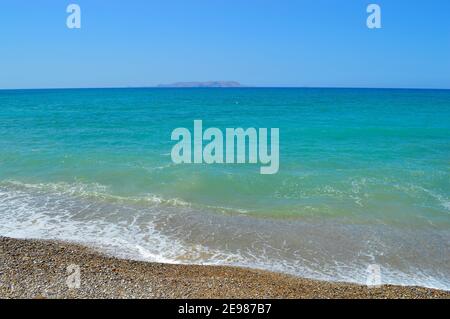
{"x": 39, "y": 269}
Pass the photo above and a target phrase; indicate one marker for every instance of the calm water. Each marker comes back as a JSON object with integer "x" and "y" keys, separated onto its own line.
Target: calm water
{"x": 364, "y": 179}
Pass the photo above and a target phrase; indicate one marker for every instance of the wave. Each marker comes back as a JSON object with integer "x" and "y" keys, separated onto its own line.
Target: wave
{"x": 151, "y": 228}
{"x": 95, "y": 191}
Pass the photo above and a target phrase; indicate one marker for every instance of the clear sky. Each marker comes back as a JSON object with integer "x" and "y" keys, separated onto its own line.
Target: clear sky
{"x": 256, "y": 42}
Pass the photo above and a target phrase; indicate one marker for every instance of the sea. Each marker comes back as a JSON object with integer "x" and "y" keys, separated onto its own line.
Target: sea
{"x": 363, "y": 181}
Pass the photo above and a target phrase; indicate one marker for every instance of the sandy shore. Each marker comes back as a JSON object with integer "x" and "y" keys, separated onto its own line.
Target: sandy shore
{"x": 38, "y": 269}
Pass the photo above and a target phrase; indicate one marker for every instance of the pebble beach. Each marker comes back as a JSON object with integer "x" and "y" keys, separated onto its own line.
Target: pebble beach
{"x": 39, "y": 270}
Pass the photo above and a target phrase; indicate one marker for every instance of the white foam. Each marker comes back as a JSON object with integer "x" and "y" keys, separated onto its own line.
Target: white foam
{"x": 171, "y": 231}
{"x": 42, "y": 215}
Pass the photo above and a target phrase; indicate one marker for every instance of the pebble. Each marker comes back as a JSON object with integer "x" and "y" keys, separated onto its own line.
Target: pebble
{"x": 38, "y": 270}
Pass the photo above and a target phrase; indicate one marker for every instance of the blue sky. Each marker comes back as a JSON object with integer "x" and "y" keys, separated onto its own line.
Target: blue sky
{"x": 256, "y": 42}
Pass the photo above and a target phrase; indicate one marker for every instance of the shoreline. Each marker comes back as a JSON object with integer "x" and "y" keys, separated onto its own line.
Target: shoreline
{"x": 38, "y": 269}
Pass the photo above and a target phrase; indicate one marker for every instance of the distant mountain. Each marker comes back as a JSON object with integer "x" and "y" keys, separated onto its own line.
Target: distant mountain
{"x": 209, "y": 84}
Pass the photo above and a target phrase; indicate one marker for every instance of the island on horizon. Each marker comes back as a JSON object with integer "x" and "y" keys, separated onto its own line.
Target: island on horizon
{"x": 208, "y": 84}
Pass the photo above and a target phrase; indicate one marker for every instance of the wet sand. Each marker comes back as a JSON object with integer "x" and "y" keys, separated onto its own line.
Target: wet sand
{"x": 39, "y": 269}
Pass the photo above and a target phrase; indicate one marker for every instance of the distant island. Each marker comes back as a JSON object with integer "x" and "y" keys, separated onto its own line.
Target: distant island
{"x": 209, "y": 84}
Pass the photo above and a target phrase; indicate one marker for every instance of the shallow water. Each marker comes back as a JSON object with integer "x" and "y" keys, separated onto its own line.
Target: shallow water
{"x": 364, "y": 179}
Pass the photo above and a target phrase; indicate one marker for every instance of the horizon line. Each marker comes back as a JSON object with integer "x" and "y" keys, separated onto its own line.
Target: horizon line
{"x": 240, "y": 87}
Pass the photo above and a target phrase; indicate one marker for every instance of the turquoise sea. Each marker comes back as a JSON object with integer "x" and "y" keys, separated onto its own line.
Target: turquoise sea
{"x": 364, "y": 179}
